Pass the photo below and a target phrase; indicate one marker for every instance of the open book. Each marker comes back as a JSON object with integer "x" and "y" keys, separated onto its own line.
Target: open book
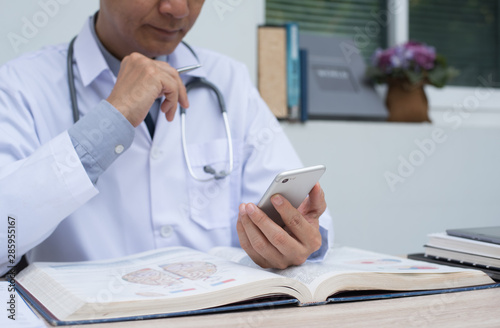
{"x": 180, "y": 280}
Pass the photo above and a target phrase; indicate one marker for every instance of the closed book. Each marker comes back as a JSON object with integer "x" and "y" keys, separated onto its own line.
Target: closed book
{"x": 493, "y": 272}
{"x": 464, "y": 245}
{"x": 303, "y": 85}
{"x": 272, "y": 69}
{"x": 463, "y": 257}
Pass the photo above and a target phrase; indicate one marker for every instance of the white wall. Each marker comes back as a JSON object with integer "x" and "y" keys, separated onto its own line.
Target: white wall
{"x": 457, "y": 185}
{"x": 28, "y": 25}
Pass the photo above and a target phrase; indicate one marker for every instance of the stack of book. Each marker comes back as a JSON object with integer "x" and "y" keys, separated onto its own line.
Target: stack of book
{"x": 473, "y": 247}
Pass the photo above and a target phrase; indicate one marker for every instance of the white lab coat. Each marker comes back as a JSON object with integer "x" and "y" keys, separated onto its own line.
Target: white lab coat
{"x": 146, "y": 199}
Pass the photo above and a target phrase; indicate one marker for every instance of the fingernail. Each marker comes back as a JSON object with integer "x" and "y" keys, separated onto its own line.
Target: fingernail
{"x": 277, "y": 200}
{"x": 250, "y": 208}
{"x": 243, "y": 209}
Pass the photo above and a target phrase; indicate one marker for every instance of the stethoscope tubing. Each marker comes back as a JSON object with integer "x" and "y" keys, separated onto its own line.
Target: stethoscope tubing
{"x": 197, "y": 82}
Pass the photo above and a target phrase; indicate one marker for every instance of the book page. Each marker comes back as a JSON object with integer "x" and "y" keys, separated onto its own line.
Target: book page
{"x": 234, "y": 254}
{"x": 341, "y": 260}
{"x": 169, "y": 273}
{"x": 350, "y": 260}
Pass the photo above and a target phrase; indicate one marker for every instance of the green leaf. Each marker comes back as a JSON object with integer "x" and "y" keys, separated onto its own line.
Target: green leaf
{"x": 414, "y": 77}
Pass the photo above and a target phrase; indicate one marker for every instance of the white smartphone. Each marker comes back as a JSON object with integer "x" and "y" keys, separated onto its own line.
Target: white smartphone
{"x": 294, "y": 185}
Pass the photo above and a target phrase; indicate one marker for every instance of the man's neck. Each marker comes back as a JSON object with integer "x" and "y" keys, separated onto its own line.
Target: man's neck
{"x": 113, "y": 62}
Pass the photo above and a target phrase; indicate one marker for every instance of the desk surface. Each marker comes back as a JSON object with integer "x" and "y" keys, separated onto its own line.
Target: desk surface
{"x": 464, "y": 309}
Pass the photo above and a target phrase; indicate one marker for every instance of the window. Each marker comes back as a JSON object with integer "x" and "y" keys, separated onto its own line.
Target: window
{"x": 358, "y": 20}
{"x": 466, "y": 32}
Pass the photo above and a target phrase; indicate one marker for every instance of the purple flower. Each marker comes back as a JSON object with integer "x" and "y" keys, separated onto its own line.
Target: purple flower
{"x": 411, "y": 55}
{"x": 411, "y": 62}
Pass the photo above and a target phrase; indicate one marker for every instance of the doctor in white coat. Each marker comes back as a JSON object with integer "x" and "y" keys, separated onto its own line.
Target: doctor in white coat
{"x": 107, "y": 185}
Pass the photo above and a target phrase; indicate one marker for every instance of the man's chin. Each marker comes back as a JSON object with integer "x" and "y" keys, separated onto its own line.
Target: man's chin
{"x": 157, "y": 51}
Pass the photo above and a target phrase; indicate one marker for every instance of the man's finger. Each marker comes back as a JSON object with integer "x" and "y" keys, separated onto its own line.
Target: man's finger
{"x": 175, "y": 80}
{"x": 260, "y": 242}
{"x": 315, "y": 204}
{"x": 183, "y": 98}
{"x": 245, "y": 241}
{"x": 306, "y": 233}
{"x": 285, "y": 245}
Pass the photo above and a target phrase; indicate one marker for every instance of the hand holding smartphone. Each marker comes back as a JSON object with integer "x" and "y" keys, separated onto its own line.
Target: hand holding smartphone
{"x": 294, "y": 185}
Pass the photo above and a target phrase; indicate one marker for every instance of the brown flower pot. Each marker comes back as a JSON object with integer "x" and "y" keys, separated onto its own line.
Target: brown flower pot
{"x": 406, "y": 102}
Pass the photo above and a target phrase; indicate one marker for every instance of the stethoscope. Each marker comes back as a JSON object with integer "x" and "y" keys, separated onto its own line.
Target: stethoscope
{"x": 197, "y": 82}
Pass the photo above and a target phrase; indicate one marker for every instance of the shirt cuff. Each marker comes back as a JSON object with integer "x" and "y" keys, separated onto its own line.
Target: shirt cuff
{"x": 100, "y": 137}
{"x": 319, "y": 255}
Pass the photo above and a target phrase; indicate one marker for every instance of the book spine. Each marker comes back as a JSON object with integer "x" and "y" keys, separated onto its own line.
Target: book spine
{"x": 272, "y": 68}
{"x": 293, "y": 70}
{"x": 303, "y": 85}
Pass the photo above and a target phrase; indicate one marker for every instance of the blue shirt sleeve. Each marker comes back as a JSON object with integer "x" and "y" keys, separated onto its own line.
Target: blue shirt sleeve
{"x": 100, "y": 137}
{"x": 319, "y": 255}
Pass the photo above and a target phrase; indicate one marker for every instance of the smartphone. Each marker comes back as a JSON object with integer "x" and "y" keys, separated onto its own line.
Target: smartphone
{"x": 294, "y": 185}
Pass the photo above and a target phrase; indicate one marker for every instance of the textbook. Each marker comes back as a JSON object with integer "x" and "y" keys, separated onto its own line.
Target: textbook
{"x": 462, "y": 257}
{"x": 463, "y": 245}
{"x": 272, "y": 68}
{"x": 293, "y": 70}
{"x": 180, "y": 281}
{"x": 493, "y": 272}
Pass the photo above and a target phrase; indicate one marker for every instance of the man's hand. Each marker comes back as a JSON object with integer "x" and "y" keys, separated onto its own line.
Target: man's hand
{"x": 272, "y": 246}
{"x": 140, "y": 81}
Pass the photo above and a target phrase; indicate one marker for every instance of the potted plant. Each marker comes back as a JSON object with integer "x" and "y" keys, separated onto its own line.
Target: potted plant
{"x": 406, "y": 69}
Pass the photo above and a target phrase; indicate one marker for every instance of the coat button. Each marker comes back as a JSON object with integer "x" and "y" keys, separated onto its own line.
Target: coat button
{"x": 119, "y": 149}
{"x": 156, "y": 153}
{"x": 166, "y": 231}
